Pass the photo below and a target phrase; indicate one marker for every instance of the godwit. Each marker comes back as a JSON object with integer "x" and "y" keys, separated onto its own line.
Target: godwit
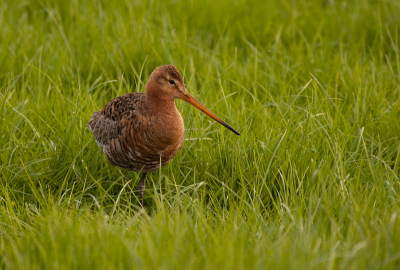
{"x": 141, "y": 131}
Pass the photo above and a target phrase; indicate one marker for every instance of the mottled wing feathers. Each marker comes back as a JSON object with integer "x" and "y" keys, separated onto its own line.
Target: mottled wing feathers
{"x": 103, "y": 128}
{"x": 123, "y": 106}
{"x": 108, "y": 123}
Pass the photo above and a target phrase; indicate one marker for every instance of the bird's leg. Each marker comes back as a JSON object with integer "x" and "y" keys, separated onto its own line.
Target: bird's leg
{"x": 141, "y": 188}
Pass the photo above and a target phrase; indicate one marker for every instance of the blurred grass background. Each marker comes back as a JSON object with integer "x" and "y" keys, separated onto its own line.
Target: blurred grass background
{"x": 312, "y": 183}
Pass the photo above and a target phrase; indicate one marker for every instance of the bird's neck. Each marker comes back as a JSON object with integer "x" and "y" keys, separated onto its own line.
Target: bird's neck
{"x": 161, "y": 105}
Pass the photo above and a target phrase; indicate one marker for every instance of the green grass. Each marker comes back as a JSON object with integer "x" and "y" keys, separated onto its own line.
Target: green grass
{"x": 312, "y": 183}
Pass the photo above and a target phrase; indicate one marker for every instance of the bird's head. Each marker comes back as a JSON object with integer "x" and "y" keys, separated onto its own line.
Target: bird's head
{"x": 167, "y": 82}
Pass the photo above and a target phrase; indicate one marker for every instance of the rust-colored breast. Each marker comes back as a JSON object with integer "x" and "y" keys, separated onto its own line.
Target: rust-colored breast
{"x": 134, "y": 139}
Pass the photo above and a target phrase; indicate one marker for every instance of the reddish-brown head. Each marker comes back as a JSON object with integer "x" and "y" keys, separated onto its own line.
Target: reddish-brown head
{"x": 167, "y": 82}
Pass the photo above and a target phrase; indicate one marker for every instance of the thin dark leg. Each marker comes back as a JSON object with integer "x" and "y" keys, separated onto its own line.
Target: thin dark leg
{"x": 141, "y": 188}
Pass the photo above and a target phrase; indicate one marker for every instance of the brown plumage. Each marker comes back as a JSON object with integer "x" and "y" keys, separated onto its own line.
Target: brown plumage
{"x": 140, "y": 131}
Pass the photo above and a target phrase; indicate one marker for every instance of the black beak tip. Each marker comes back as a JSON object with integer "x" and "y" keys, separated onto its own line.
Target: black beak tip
{"x": 234, "y": 131}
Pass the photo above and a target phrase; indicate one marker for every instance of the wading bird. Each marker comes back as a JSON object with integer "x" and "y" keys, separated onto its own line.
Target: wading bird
{"x": 141, "y": 131}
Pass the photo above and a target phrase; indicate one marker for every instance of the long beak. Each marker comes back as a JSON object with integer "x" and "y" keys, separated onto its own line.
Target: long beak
{"x": 191, "y": 100}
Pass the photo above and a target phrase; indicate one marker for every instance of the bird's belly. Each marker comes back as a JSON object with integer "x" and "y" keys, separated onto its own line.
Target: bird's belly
{"x": 143, "y": 152}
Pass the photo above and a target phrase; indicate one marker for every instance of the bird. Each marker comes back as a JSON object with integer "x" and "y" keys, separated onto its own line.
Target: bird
{"x": 143, "y": 131}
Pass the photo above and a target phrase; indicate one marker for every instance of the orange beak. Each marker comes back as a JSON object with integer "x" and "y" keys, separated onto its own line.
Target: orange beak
{"x": 191, "y": 100}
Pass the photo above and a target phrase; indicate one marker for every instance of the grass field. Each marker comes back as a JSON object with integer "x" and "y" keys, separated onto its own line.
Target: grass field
{"x": 312, "y": 182}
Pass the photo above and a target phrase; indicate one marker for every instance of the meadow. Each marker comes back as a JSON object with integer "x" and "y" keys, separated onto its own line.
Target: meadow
{"x": 311, "y": 183}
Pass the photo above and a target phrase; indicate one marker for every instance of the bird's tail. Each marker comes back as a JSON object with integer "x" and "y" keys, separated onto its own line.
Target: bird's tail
{"x": 90, "y": 123}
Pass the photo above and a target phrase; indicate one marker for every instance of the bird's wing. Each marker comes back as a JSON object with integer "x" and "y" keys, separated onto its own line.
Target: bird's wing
{"x": 109, "y": 122}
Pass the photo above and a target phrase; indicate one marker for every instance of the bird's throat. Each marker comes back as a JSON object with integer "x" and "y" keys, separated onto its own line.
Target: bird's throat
{"x": 160, "y": 105}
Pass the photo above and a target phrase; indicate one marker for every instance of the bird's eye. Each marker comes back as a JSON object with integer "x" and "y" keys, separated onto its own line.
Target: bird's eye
{"x": 171, "y": 82}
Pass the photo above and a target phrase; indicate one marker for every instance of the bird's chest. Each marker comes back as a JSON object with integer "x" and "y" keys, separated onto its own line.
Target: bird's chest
{"x": 170, "y": 131}
{"x": 164, "y": 134}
